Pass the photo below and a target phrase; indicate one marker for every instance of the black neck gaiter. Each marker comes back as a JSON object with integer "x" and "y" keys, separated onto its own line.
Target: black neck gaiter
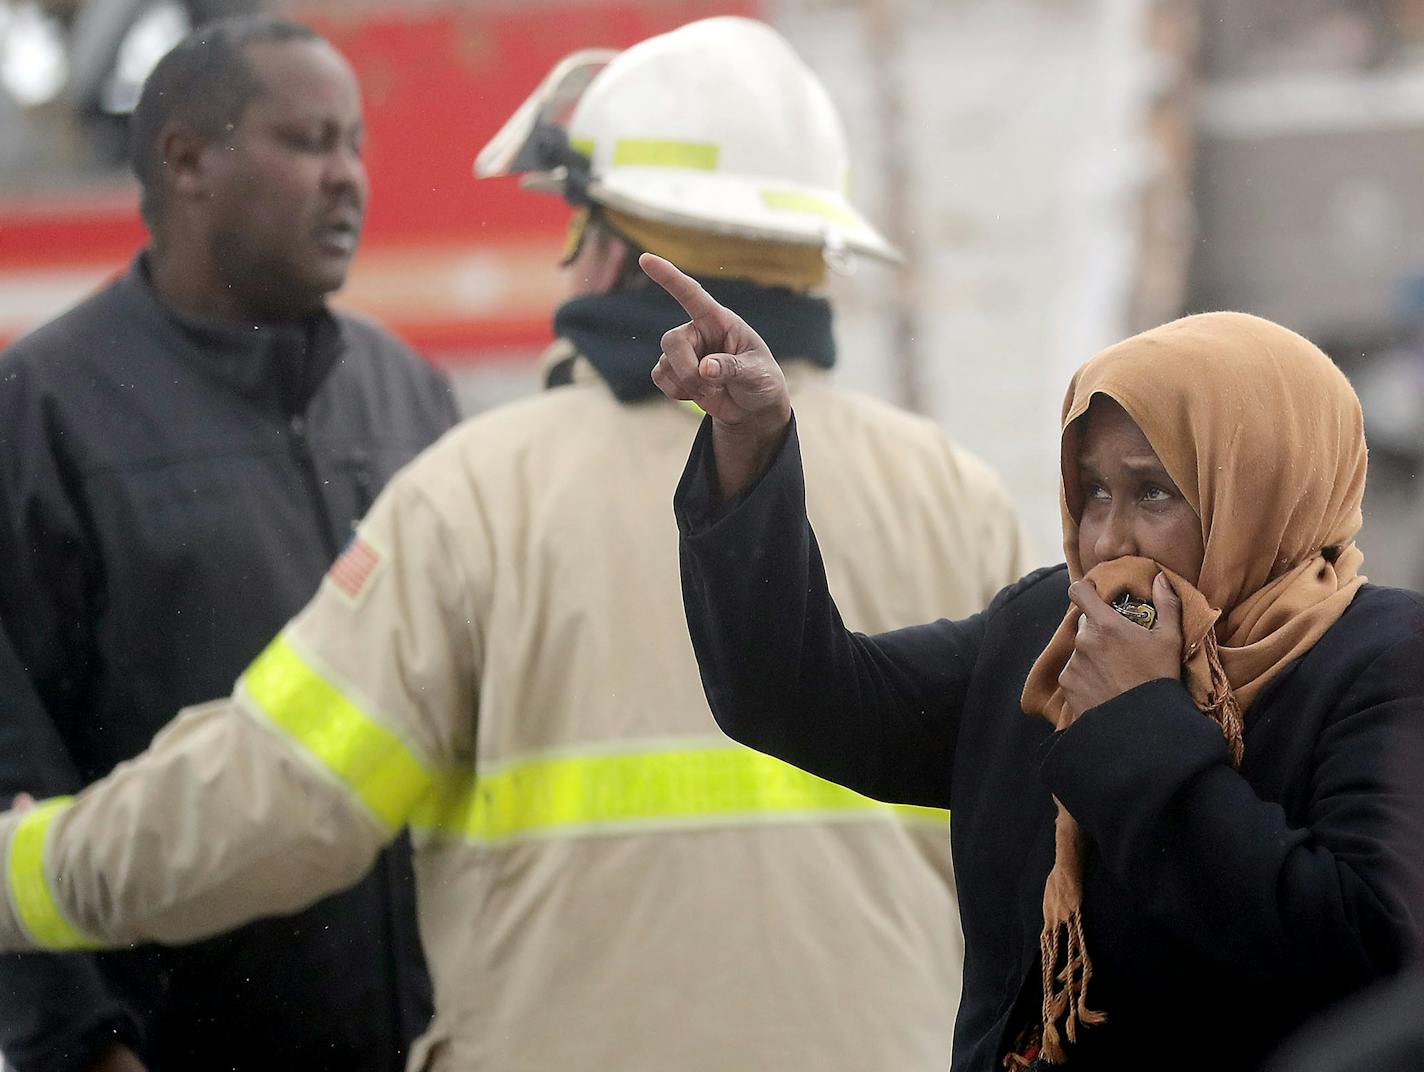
{"x": 621, "y": 333}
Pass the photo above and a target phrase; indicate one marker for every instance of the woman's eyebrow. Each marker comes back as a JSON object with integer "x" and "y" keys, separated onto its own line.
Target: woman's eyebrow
{"x": 1139, "y": 464}
{"x": 1143, "y": 463}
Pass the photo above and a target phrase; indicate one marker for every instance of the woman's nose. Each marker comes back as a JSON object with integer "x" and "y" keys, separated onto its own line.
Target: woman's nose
{"x": 1117, "y": 538}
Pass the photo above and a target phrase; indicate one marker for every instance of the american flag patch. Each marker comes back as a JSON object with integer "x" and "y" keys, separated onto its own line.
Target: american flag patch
{"x": 354, "y": 568}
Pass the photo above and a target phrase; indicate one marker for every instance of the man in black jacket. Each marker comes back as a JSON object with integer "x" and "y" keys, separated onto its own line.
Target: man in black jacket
{"x": 181, "y": 456}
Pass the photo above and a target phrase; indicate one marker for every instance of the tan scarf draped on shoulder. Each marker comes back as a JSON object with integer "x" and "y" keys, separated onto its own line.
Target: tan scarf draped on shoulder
{"x": 1264, "y": 437}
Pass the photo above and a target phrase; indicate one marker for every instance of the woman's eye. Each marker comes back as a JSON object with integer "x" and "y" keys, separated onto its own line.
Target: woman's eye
{"x": 1156, "y": 494}
{"x": 1096, "y": 492}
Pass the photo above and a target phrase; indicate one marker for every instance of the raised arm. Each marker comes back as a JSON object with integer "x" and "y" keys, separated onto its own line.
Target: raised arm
{"x": 781, "y": 672}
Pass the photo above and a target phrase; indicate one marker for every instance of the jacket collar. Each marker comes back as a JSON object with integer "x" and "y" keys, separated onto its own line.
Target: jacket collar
{"x": 282, "y": 364}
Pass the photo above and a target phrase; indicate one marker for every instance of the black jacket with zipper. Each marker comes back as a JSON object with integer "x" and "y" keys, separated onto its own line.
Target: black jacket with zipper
{"x": 171, "y": 492}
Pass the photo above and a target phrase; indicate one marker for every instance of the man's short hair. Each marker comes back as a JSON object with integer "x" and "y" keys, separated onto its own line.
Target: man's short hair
{"x": 205, "y": 83}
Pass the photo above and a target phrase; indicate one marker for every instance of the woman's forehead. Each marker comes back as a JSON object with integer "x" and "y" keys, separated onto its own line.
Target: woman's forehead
{"x": 1107, "y": 432}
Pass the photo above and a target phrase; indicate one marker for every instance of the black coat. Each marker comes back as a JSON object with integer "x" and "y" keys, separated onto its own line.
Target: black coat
{"x": 171, "y": 492}
{"x": 1220, "y": 908}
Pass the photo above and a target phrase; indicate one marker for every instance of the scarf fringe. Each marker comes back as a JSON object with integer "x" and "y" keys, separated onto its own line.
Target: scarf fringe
{"x": 1221, "y": 705}
{"x": 1065, "y": 990}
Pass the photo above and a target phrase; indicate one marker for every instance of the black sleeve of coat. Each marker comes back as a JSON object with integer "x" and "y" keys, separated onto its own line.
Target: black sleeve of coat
{"x": 449, "y": 406}
{"x": 781, "y": 672}
{"x": 1335, "y": 899}
{"x": 55, "y": 1011}
{"x": 439, "y": 408}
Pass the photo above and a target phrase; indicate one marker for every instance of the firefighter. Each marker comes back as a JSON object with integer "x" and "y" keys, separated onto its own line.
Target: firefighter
{"x": 499, "y": 660}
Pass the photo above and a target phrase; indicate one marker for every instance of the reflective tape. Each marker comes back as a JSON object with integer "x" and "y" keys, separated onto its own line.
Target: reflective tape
{"x": 807, "y": 205}
{"x": 660, "y": 152}
{"x": 352, "y": 745}
{"x": 643, "y": 790}
{"x": 30, "y": 891}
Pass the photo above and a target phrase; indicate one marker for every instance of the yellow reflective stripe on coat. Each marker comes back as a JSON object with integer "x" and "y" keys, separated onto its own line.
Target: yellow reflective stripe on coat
{"x": 625, "y": 792}
{"x": 376, "y": 764}
{"x": 30, "y": 890}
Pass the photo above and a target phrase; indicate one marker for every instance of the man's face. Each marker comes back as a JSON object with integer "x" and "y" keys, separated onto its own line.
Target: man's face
{"x": 288, "y": 188}
{"x": 599, "y": 263}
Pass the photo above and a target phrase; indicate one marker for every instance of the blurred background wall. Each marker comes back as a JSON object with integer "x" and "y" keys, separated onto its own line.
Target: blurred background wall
{"x": 1059, "y": 172}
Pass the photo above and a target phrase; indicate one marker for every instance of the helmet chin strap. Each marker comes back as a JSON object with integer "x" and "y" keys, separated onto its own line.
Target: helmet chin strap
{"x": 548, "y": 150}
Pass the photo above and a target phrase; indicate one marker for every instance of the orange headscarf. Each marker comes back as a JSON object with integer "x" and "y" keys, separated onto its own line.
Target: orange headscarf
{"x": 1264, "y": 437}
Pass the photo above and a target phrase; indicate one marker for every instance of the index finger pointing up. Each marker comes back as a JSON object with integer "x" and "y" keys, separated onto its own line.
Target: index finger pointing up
{"x": 695, "y": 301}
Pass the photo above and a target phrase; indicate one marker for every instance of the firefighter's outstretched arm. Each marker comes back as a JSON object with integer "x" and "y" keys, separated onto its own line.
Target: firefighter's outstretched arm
{"x": 218, "y": 822}
{"x": 347, "y": 724}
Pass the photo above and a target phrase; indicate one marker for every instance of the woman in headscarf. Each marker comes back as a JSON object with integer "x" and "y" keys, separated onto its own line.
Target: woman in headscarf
{"x": 1183, "y": 769}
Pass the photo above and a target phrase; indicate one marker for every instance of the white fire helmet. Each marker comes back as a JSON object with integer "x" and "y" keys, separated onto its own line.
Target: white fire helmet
{"x": 717, "y": 126}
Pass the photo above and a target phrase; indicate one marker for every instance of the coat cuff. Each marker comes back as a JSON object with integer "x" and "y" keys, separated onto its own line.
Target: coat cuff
{"x": 1117, "y": 767}
{"x": 697, "y": 502}
{"x": 33, "y": 917}
{"x": 13, "y": 937}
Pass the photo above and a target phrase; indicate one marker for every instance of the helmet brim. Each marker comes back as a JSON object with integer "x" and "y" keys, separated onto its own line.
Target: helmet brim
{"x": 775, "y": 211}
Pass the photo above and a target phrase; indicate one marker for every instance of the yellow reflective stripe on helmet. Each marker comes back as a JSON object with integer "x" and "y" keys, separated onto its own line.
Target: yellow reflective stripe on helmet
{"x": 660, "y": 152}
{"x": 377, "y": 765}
{"x": 571, "y": 796}
{"x": 30, "y": 890}
{"x": 807, "y": 205}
